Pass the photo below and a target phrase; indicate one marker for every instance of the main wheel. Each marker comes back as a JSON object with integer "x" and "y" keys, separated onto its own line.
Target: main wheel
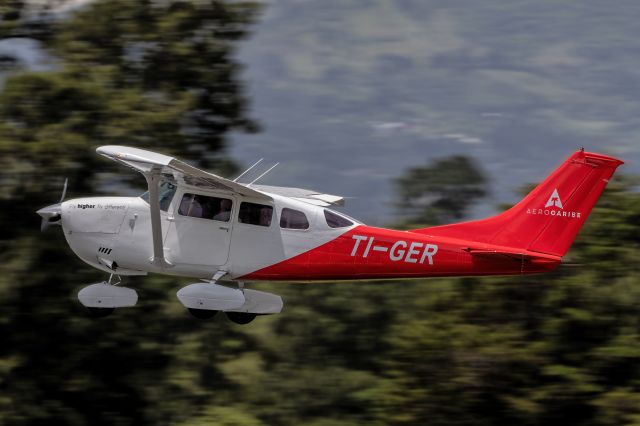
{"x": 240, "y": 317}
{"x": 202, "y": 313}
{"x": 100, "y": 312}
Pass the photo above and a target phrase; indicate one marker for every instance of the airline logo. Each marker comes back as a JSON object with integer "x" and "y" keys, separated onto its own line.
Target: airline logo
{"x": 554, "y": 200}
{"x": 551, "y": 208}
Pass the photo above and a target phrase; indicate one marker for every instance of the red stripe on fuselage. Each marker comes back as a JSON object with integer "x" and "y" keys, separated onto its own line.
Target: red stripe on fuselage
{"x": 366, "y": 252}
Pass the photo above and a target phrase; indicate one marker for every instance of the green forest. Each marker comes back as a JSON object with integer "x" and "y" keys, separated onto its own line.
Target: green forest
{"x": 554, "y": 349}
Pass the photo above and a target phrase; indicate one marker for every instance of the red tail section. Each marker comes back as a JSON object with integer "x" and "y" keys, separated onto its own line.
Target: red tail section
{"x": 549, "y": 218}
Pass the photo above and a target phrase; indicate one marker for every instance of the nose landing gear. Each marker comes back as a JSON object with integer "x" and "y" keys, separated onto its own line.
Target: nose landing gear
{"x": 100, "y": 312}
{"x": 202, "y": 313}
{"x": 101, "y": 299}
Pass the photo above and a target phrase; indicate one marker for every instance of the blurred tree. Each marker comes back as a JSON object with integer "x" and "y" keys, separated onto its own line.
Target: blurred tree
{"x": 32, "y": 19}
{"x": 154, "y": 74}
{"x": 11, "y": 10}
{"x": 158, "y": 75}
{"x": 166, "y": 55}
{"x": 441, "y": 192}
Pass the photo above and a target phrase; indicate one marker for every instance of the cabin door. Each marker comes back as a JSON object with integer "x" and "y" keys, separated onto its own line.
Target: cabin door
{"x": 199, "y": 231}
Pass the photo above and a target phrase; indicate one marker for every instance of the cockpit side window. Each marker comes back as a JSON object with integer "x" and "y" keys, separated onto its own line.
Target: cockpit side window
{"x": 166, "y": 191}
{"x": 204, "y": 207}
{"x": 336, "y": 221}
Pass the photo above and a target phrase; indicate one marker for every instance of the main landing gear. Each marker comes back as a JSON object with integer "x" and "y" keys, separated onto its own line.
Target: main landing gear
{"x": 241, "y": 317}
{"x": 204, "y": 300}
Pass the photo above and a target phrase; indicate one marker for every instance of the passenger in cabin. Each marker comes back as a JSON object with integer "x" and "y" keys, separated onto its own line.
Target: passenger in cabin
{"x": 265, "y": 216}
{"x": 225, "y": 211}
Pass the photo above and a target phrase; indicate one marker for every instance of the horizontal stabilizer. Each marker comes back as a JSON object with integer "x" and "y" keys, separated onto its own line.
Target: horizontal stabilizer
{"x": 497, "y": 253}
{"x": 516, "y": 255}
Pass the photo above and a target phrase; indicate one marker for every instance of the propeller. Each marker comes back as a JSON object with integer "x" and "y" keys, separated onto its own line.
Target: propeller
{"x": 51, "y": 214}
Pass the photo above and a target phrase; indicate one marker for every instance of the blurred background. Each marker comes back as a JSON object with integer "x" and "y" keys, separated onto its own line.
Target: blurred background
{"x": 422, "y": 112}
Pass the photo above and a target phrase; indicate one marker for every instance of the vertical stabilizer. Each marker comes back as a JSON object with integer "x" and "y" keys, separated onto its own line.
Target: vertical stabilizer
{"x": 549, "y": 218}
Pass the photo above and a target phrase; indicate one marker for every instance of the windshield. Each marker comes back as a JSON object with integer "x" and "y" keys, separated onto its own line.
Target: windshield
{"x": 166, "y": 191}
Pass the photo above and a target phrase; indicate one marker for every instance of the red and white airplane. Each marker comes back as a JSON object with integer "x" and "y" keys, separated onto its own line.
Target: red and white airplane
{"x": 196, "y": 224}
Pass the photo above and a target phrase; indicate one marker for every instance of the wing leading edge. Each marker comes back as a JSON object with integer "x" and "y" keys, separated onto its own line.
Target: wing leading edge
{"x": 148, "y": 162}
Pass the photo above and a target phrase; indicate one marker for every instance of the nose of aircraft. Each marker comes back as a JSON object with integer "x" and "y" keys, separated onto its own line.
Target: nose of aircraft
{"x": 50, "y": 216}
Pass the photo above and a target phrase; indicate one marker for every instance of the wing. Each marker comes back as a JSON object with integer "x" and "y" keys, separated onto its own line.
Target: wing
{"x": 153, "y": 165}
{"x": 151, "y": 162}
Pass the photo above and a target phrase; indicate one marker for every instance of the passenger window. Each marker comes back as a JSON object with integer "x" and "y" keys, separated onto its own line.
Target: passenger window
{"x": 255, "y": 214}
{"x": 336, "y": 221}
{"x": 201, "y": 206}
{"x": 293, "y": 219}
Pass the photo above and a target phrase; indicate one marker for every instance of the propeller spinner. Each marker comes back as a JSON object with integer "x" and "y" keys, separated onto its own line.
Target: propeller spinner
{"x": 51, "y": 214}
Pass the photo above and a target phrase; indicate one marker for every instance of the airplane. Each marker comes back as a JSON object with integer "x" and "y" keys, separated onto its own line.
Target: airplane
{"x": 192, "y": 223}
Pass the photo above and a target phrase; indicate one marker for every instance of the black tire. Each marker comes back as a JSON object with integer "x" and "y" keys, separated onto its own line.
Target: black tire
{"x": 202, "y": 313}
{"x": 100, "y": 312}
{"x": 240, "y": 317}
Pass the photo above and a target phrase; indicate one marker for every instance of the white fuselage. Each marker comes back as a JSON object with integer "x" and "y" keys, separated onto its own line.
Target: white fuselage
{"x": 114, "y": 234}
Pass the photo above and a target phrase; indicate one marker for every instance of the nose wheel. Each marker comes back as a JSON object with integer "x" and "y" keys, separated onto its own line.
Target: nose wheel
{"x": 100, "y": 312}
{"x": 202, "y": 313}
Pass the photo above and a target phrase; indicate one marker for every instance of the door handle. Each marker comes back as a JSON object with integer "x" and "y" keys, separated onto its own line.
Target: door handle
{"x": 224, "y": 228}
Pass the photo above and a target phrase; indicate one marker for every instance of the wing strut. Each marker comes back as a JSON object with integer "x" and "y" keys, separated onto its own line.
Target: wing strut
{"x": 153, "y": 179}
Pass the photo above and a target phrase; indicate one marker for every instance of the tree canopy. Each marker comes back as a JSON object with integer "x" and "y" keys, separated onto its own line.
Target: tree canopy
{"x": 441, "y": 192}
